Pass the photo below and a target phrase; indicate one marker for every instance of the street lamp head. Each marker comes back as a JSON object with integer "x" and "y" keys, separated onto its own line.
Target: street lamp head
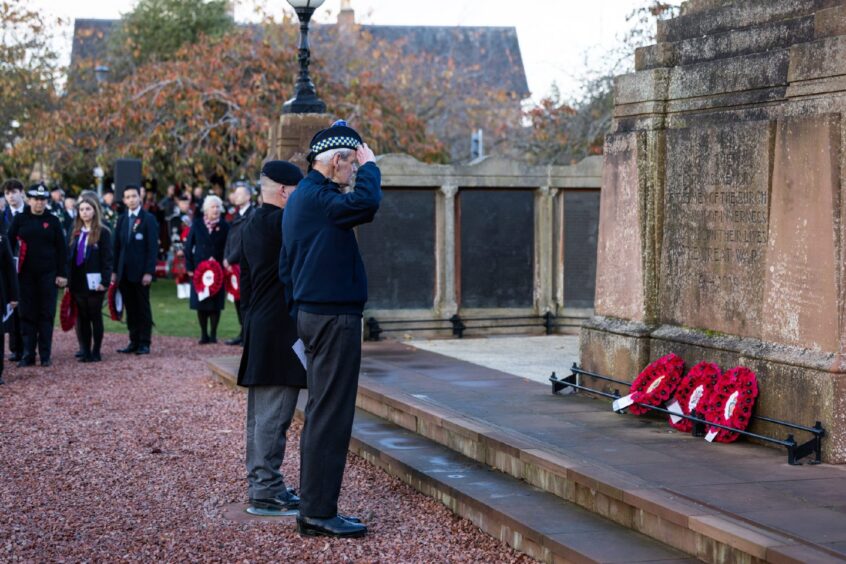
{"x": 313, "y": 4}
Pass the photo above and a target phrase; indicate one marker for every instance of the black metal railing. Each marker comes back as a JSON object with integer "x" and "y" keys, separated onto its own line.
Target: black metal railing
{"x": 459, "y": 325}
{"x": 795, "y": 451}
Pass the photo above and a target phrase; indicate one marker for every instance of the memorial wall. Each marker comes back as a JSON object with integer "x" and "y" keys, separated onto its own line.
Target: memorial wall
{"x": 722, "y": 217}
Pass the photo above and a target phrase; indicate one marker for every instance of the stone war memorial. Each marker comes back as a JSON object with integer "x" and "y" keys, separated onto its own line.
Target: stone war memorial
{"x": 722, "y": 210}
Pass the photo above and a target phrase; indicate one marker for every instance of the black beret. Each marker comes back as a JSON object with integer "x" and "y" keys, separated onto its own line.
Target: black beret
{"x": 282, "y": 172}
{"x": 38, "y": 191}
{"x": 338, "y": 136}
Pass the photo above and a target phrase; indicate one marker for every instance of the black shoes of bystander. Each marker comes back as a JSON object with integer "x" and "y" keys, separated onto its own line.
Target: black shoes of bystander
{"x": 143, "y": 349}
{"x": 335, "y": 526}
{"x": 236, "y": 341}
{"x": 128, "y": 349}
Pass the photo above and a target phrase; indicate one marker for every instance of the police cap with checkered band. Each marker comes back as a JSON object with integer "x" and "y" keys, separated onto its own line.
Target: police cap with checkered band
{"x": 338, "y": 136}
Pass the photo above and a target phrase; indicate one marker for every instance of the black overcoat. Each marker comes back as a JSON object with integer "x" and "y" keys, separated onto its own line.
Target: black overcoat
{"x": 269, "y": 332}
{"x": 98, "y": 259}
{"x": 8, "y": 276}
{"x": 232, "y": 253}
{"x": 136, "y": 246}
{"x": 202, "y": 245}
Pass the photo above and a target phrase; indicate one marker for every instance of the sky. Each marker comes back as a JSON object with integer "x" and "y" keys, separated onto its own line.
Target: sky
{"x": 558, "y": 39}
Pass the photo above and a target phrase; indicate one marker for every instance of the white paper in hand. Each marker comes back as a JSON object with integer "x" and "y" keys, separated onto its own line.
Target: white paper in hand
{"x": 622, "y": 403}
{"x": 8, "y": 313}
{"x": 299, "y": 350}
{"x": 94, "y": 280}
{"x": 675, "y": 407}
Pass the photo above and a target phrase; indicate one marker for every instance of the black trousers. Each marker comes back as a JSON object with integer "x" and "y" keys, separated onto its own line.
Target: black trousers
{"x": 333, "y": 350}
{"x": 38, "y": 310}
{"x": 139, "y": 316}
{"x": 15, "y": 333}
{"x": 89, "y": 321}
{"x": 240, "y": 319}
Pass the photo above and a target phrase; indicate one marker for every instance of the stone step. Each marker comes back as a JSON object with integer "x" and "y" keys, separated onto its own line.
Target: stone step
{"x": 727, "y": 44}
{"x": 736, "y": 15}
{"x": 533, "y": 521}
{"x": 696, "y": 529}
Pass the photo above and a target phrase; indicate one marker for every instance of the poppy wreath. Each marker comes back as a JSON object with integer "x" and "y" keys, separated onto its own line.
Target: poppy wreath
{"x": 694, "y": 392}
{"x": 208, "y": 278}
{"x": 21, "y": 254}
{"x": 656, "y": 383}
{"x": 115, "y": 302}
{"x": 233, "y": 282}
{"x": 67, "y": 312}
{"x": 731, "y": 403}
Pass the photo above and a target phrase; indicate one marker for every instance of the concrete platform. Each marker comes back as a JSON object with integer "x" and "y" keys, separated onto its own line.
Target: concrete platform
{"x": 717, "y": 503}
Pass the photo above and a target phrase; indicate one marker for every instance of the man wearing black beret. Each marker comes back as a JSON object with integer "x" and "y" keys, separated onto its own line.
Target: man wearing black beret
{"x": 269, "y": 367}
{"x": 326, "y": 287}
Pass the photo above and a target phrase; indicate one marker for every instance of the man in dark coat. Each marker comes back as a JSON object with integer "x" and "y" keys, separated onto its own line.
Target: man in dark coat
{"x": 242, "y": 198}
{"x": 13, "y": 190}
{"x": 324, "y": 278}
{"x": 8, "y": 289}
{"x": 136, "y": 242}
{"x": 269, "y": 366}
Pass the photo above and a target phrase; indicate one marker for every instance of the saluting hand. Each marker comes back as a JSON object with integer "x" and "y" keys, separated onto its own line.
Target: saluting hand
{"x": 364, "y": 154}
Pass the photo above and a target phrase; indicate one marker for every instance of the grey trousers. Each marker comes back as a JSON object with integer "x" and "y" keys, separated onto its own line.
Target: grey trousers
{"x": 333, "y": 349}
{"x": 269, "y": 413}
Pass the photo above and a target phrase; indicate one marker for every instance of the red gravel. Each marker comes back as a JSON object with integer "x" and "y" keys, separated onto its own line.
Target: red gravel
{"x": 134, "y": 459}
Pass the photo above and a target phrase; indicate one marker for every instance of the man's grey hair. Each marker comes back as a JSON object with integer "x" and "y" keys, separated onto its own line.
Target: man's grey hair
{"x": 327, "y": 156}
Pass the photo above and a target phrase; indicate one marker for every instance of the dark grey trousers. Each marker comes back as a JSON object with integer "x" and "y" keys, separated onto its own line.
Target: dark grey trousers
{"x": 333, "y": 349}
{"x": 269, "y": 413}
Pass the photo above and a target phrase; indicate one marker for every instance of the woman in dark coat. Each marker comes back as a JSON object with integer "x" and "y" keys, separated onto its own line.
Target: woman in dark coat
{"x": 90, "y": 266}
{"x": 8, "y": 290}
{"x": 207, "y": 240}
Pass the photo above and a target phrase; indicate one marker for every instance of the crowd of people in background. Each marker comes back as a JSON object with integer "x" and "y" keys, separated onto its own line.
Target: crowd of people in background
{"x": 89, "y": 241}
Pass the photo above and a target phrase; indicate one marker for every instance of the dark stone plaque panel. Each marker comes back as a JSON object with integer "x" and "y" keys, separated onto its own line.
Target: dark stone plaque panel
{"x": 497, "y": 248}
{"x": 581, "y": 227}
{"x": 398, "y": 249}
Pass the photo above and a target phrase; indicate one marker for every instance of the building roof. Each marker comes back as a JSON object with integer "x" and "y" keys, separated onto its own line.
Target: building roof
{"x": 492, "y": 54}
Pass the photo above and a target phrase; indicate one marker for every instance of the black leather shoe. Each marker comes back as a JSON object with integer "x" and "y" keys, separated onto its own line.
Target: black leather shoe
{"x": 128, "y": 349}
{"x": 349, "y": 518}
{"x": 284, "y": 502}
{"x": 331, "y": 527}
{"x": 79, "y": 354}
{"x": 16, "y": 357}
{"x": 26, "y": 362}
{"x": 204, "y": 341}
{"x": 234, "y": 342}
{"x": 46, "y": 362}
{"x": 143, "y": 349}
{"x": 96, "y": 357}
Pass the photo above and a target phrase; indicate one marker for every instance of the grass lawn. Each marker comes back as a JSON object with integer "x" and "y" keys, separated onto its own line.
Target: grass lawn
{"x": 172, "y": 317}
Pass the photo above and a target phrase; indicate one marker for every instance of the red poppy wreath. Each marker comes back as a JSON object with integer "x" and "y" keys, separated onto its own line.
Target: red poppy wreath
{"x": 654, "y": 385}
{"x": 693, "y": 394}
{"x": 731, "y": 404}
{"x": 115, "y": 302}
{"x": 233, "y": 282}
{"x": 67, "y": 312}
{"x": 208, "y": 279}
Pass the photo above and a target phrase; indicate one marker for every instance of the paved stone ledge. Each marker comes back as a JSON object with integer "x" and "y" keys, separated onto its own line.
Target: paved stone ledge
{"x": 408, "y": 388}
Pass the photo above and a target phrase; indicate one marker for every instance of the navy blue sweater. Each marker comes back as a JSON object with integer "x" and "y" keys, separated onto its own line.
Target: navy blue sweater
{"x": 320, "y": 263}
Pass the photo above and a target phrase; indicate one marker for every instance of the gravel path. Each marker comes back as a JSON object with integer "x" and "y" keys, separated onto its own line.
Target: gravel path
{"x": 135, "y": 459}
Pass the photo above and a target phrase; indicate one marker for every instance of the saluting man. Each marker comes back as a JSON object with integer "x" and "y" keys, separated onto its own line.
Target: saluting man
{"x": 324, "y": 277}
{"x": 269, "y": 365}
{"x": 136, "y": 243}
{"x": 41, "y": 254}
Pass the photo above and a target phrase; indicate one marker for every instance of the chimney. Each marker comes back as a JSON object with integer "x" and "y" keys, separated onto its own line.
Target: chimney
{"x": 346, "y": 17}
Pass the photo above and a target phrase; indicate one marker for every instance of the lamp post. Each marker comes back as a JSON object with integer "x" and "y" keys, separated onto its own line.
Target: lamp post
{"x": 305, "y": 100}
{"x": 101, "y": 73}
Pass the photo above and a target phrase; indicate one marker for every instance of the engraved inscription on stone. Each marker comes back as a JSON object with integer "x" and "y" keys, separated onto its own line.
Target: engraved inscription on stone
{"x": 716, "y": 227}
